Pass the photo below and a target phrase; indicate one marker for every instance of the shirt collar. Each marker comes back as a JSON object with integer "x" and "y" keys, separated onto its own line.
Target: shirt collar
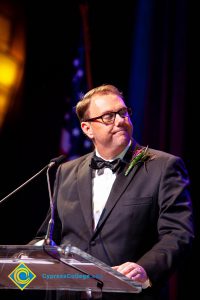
{"x": 121, "y": 155}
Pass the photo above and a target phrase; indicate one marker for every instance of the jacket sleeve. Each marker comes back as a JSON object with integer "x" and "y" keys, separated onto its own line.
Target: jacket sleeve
{"x": 175, "y": 222}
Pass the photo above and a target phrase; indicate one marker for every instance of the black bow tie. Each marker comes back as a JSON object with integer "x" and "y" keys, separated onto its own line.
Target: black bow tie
{"x": 99, "y": 163}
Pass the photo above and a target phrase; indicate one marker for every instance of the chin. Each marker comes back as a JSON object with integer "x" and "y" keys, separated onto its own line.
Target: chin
{"x": 123, "y": 140}
{"x": 121, "y": 144}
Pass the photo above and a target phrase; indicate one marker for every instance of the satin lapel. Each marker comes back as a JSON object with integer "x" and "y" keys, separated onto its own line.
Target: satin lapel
{"x": 118, "y": 189}
{"x": 84, "y": 183}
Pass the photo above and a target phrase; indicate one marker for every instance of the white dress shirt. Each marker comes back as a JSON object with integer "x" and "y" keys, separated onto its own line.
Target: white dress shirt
{"x": 101, "y": 186}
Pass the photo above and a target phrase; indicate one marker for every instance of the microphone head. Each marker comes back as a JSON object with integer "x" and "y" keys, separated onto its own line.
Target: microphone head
{"x": 57, "y": 160}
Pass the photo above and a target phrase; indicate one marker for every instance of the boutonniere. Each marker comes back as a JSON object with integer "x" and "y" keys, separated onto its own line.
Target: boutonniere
{"x": 140, "y": 155}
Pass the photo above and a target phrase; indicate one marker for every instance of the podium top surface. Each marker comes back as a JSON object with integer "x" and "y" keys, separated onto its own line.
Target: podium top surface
{"x": 59, "y": 268}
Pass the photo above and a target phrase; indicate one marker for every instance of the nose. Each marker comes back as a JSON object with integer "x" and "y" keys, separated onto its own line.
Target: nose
{"x": 119, "y": 119}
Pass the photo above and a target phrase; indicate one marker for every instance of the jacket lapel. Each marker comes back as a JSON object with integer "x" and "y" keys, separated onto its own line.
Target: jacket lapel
{"x": 117, "y": 190}
{"x": 84, "y": 183}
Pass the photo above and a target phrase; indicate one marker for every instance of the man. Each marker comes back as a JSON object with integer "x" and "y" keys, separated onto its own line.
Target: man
{"x": 136, "y": 216}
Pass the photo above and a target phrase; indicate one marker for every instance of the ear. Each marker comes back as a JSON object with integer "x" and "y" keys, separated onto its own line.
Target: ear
{"x": 87, "y": 129}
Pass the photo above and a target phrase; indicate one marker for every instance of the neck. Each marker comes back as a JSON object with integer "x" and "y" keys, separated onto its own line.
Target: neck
{"x": 110, "y": 155}
{"x": 107, "y": 156}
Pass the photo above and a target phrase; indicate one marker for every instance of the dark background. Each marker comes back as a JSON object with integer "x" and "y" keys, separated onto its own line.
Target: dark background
{"x": 31, "y": 136}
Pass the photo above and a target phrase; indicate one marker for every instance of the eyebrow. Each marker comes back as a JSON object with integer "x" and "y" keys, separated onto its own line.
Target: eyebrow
{"x": 112, "y": 111}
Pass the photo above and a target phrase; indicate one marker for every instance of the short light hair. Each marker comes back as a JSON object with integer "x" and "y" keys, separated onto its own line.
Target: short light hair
{"x": 84, "y": 102}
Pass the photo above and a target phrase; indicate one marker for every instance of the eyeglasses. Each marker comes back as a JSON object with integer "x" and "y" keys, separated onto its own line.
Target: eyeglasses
{"x": 109, "y": 118}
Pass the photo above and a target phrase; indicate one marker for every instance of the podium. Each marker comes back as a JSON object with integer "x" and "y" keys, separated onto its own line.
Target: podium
{"x": 68, "y": 268}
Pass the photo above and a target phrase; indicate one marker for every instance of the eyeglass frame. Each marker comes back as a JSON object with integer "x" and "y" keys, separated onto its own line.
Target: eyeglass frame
{"x": 128, "y": 114}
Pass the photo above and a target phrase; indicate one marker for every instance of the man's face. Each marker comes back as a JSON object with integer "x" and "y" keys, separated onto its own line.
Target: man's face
{"x": 109, "y": 139}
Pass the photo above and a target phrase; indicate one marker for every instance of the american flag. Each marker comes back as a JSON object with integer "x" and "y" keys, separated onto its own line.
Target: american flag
{"x": 73, "y": 142}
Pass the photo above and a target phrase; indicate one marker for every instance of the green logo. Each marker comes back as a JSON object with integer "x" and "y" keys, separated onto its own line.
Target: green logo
{"x": 22, "y": 276}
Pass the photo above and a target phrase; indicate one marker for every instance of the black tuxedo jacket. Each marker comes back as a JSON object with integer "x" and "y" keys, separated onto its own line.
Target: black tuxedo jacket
{"x": 147, "y": 218}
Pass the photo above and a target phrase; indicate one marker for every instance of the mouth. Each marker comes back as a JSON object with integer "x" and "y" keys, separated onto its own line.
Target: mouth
{"x": 119, "y": 131}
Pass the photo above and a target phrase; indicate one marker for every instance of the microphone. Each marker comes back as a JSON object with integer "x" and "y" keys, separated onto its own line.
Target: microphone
{"x": 53, "y": 162}
{"x": 56, "y": 161}
{"x": 48, "y": 238}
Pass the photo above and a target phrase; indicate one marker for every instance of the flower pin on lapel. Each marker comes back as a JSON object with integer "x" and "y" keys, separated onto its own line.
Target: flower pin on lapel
{"x": 140, "y": 155}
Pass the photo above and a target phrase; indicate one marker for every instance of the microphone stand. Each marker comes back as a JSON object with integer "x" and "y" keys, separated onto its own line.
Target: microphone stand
{"x": 53, "y": 162}
{"x": 48, "y": 238}
{"x": 25, "y": 183}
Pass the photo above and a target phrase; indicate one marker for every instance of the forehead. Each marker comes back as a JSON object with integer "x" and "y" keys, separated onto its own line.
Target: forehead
{"x": 103, "y": 103}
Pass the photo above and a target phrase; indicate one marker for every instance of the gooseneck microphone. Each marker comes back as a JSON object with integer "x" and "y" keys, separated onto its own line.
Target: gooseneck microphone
{"x": 48, "y": 240}
{"x": 53, "y": 162}
{"x": 56, "y": 161}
